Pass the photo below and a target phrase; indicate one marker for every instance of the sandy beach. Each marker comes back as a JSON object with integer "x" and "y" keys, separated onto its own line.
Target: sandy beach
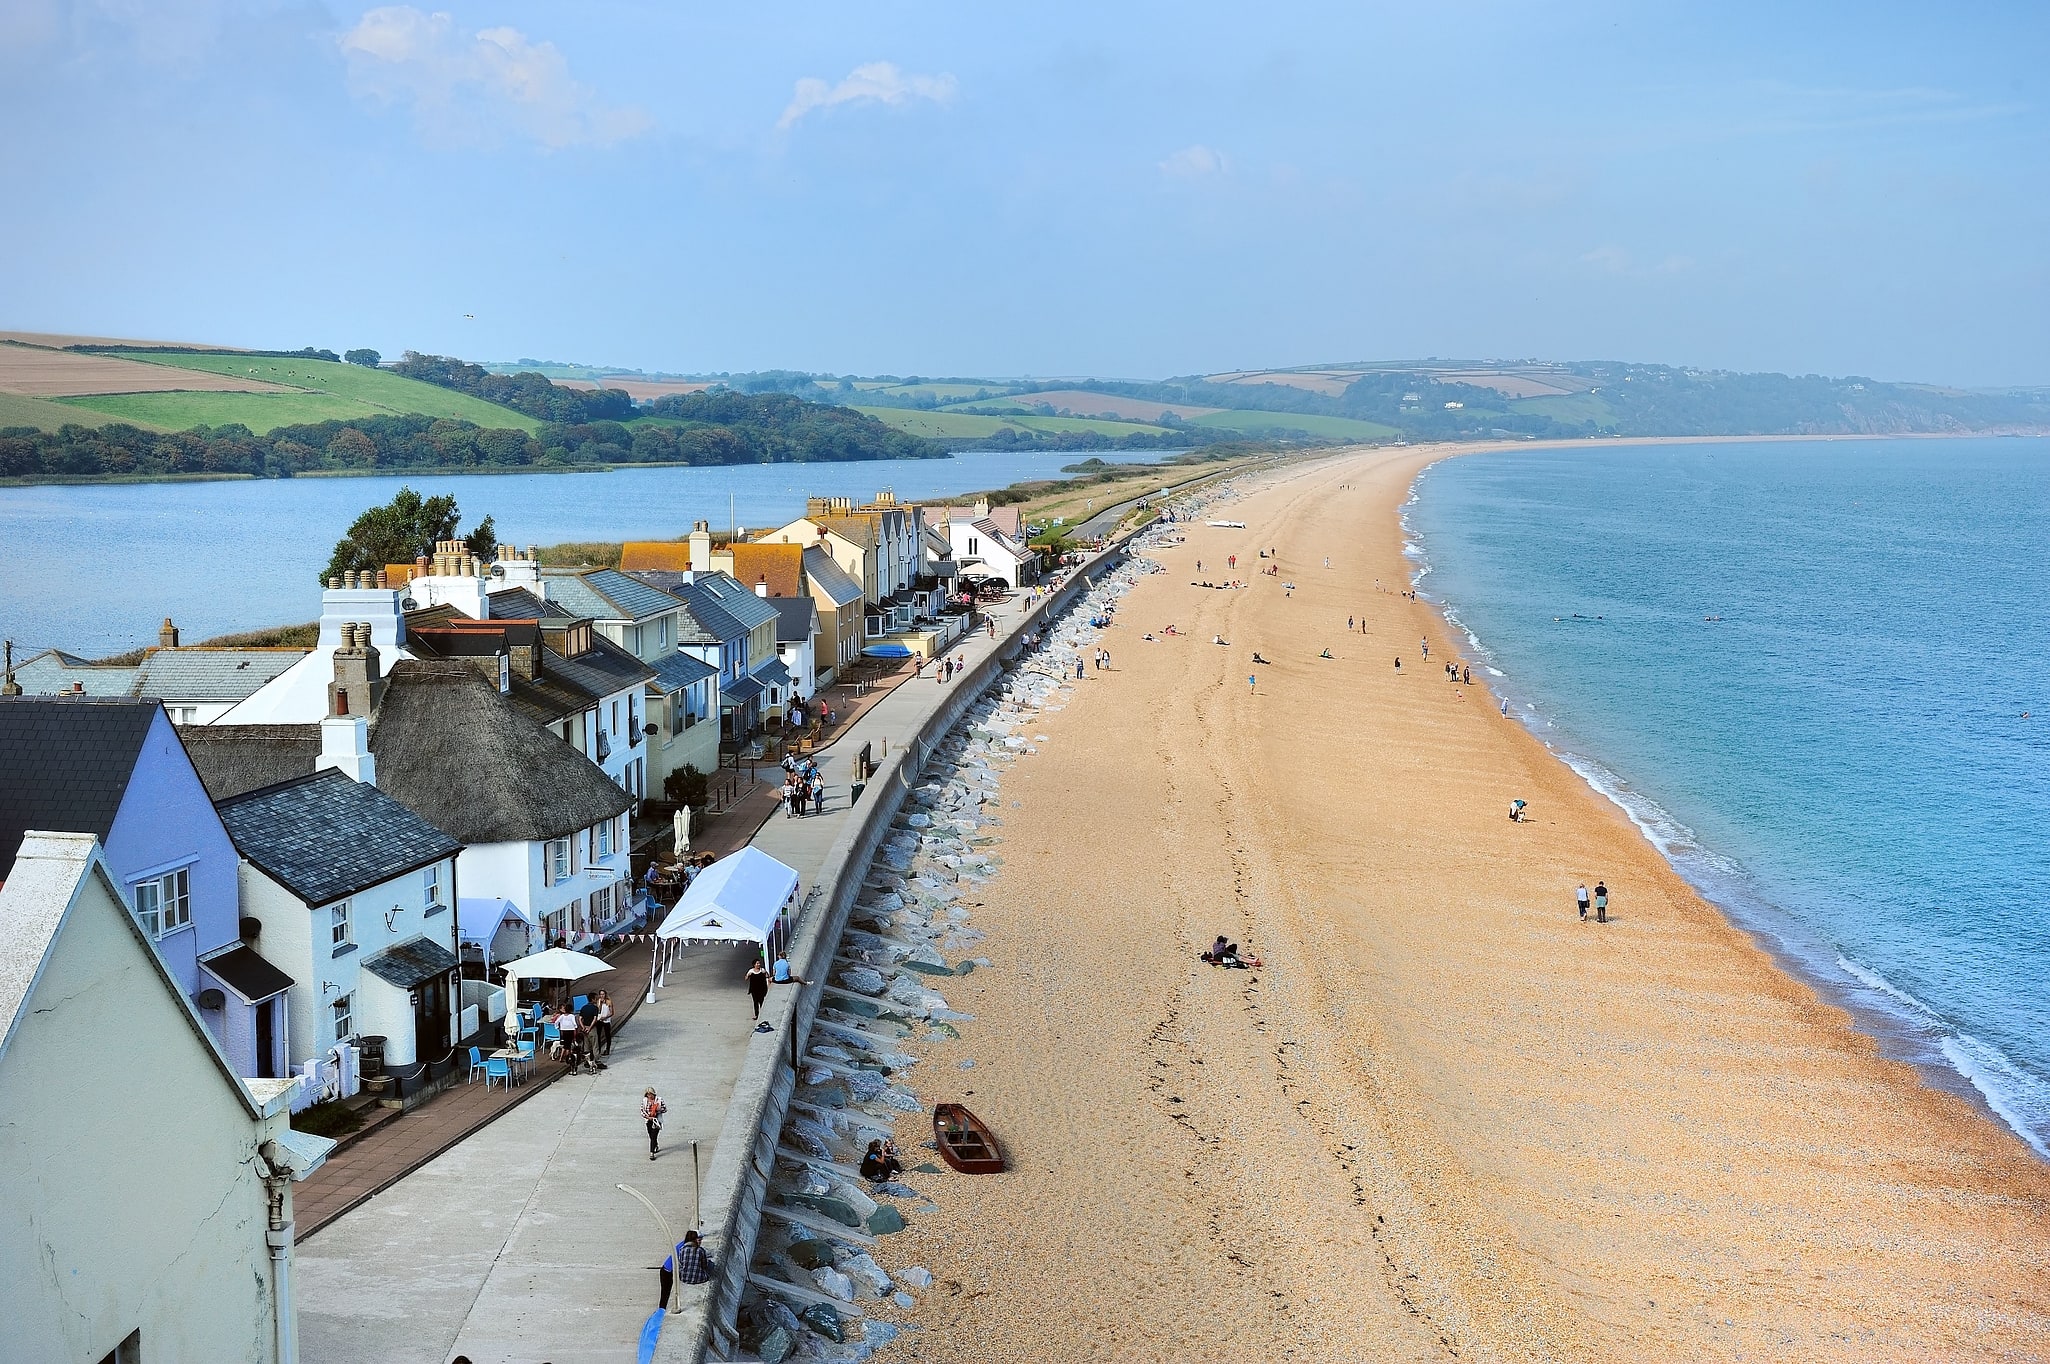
{"x": 1446, "y": 1119}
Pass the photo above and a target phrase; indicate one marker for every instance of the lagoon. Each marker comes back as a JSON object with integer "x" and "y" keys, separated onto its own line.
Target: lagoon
{"x": 94, "y": 569}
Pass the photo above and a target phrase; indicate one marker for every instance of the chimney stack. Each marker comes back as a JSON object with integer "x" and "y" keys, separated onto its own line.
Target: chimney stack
{"x": 167, "y": 636}
{"x": 762, "y": 585}
{"x": 359, "y": 683}
{"x": 8, "y": 686}
{"x": 701, "y": 547}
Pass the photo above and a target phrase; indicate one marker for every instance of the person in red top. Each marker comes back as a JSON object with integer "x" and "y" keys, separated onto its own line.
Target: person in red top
{"x": 652, "y": 1109}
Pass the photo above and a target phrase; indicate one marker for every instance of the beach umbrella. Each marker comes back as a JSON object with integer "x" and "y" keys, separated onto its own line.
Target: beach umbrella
{"x": 557, "y": 963}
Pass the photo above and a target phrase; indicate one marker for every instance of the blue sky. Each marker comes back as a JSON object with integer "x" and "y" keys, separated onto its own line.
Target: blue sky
{"x": 1107, "y": 189}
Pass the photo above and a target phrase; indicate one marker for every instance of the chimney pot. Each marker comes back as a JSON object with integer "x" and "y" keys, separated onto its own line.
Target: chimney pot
{"x": 167, "y": 636}
{"x": 335, "y": 583}
{"x": 381, "y": 578}
{"x": 78, "y": 686}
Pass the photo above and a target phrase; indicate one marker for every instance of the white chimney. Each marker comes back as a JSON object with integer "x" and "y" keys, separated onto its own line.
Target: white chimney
{"x": 354, "y": 597}
{"x": 515, "y": 569}
{"x": 345, "y": 743}
{"x": 701, "y": 547}
{"x": 762, "y": 585}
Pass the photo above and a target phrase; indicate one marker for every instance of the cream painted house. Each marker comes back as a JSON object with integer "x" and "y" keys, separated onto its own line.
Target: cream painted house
{"x": 145, "y": 1189}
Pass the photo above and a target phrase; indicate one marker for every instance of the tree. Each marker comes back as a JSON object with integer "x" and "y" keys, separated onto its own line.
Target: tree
{"x": 363, "y": 356}
{"x": 401, "y": 530}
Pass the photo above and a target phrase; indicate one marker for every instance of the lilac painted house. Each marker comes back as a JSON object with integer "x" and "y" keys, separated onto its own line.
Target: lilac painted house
{"x": 114, "y": 768}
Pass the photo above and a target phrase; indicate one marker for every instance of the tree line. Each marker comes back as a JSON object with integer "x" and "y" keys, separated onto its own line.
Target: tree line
{"x": 531, "y": 394}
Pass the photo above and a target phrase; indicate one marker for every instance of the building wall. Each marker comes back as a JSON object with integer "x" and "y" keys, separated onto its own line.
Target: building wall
{"x": 286, "y": 942}
{"x": 130, "y": 1199}
{"x": 167, "y": 821}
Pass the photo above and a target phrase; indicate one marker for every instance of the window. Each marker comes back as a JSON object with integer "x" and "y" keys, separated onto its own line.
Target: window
{"x": 164, "y": 903}
{"x": 605, "y": 839}
{"x": 432, "y": 897}
{"x": 554, "y": 861}
{"x": 662, "y": 633}
{"x": 615, "y": 717}
{"x": 338, "y": 926}
{"x": 345, "y": 1017}
{"x": 558, "y": 925}
{"x": 504, "y": 674}
{"x": 601, "y": 907}
{"x": 974, "y": 545}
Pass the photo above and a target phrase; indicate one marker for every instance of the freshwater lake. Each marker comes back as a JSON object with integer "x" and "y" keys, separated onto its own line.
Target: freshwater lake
{"x": 94, "y": 569}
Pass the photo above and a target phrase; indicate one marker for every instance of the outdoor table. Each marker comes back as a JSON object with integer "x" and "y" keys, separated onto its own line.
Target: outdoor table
{"x": 513, "y": 1057}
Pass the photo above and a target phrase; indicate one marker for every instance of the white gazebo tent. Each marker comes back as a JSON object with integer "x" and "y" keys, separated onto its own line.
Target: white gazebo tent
{"x": 740, "y": 898}
{"x": 479, "y": 920}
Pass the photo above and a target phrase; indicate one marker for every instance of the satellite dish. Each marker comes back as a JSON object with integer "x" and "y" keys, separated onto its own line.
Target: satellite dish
{"x": 409, "y": 605}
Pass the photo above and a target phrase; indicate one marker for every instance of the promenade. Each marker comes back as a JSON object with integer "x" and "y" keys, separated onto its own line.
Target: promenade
{"x": 517, "y": 1243}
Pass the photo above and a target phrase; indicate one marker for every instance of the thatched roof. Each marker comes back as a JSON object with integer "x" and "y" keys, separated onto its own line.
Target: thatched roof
{"x": 454, "y": 751}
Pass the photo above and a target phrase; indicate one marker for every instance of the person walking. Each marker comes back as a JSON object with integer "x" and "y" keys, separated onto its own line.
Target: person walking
{"x": 604, "y": 1023}
{"x": 1398, "y": 663}
{"x": 758, "y": 976}
{"x": 818, "y": 795}
{"x": 1580, "y": 899}
{"x": 1601, "y": 902}
{"x": 652, "y": 1109}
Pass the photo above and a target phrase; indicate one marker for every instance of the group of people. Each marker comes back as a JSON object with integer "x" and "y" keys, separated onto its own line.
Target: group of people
{"x": 759, "y": 977}
{"x": 1224, "y": 952}
{"x": 1601, "y": 901}
{"x": 803, "y": 785}
{"x": 586, "y": 1032}
{"x": 948, "y": 667}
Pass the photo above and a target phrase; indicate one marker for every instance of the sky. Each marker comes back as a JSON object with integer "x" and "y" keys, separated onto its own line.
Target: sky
{"x": 1125, "y": 190}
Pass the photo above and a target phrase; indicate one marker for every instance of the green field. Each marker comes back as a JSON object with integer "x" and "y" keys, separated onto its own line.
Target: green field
{"x": 43, "y": 413}
{"x": 1570, "y": 407}
{"x": 973, "y": 426}
{"x": 939, "y": 393}
{"x": 260, "y": 412}
{"x": 1269, "y": 423}
{"x": 337, "y": 392}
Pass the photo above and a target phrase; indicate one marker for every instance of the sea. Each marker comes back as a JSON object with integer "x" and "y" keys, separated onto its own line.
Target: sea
{"x": 1817, "y": 676}
{"x": 94, "y": 569}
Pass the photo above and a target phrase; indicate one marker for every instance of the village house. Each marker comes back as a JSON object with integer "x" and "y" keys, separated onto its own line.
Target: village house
{"x": 147, "y": 1209}
{"x": 751, "y": 609}
{"x": 196, "y": 683}
{"x": 782, "y": 572}
{"x": 542, "y": 827}
{"x": 797, "y": 641}
{"x": 988, "y": 542}
{"x": 356, "y": 892}
{"x": 116, "y": 769}
{"x": 837, "y": 595}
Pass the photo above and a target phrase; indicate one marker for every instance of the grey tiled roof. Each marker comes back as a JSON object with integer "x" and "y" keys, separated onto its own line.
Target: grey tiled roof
{"x": 714, "y": 623}
{"x": 678, "y": 671}
{"x": 796, "y": 617}
{"x": 517, "y": 603}
{"x": 606, "y": 594}
{"x": 827, "y": 575}
{"x": 248, "y": 973}
{"x": 740, "y": 601}
{"x": 774, "y": 673}
{"x": 328, "y": 836}
{"x": 739, "y": 692}
{"x": 211, "y": 674}
{"x": 408, "y": 963}
{"x": 53, "y": 671}
{"x": 65, "y": 764}
{"x": 602, "y": 670}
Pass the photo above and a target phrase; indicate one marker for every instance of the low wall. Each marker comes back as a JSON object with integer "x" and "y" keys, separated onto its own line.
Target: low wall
{"x": 738, "y": 1180}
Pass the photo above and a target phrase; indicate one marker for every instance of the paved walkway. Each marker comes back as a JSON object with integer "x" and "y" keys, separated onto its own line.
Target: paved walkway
{"x": 516, "y": 1244}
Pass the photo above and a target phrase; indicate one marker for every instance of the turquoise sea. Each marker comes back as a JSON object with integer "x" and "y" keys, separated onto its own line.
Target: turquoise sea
{"x": 1817, "y": 674}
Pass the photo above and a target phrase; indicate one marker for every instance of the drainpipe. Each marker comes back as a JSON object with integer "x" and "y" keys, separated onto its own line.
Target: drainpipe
{"x": 279, "y": 1238}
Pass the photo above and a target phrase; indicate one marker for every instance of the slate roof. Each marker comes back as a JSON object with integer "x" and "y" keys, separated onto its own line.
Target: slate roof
{"x": 65, "y": 764}
{"x": 795, "y": 618}
{"x": 211, "y": 674}
{"x": 740, "y": 602}
{"x": 233, "y": 759}
{"x": 455, "y": 752}
{"x": 53, "y": 671}
{"x": 827, "y": 576}
{"x": 678, "y": 671}
{"x": 774, "y": 673}
{"x": 738, "y": 692}
{"x": 408, "y": 963}
{"x": 705, "y": 621}
{"x": 326, "y": 836}
{"x": 602, "y": 670}
{"x": 605, "y": 594}
{"x": 248, "y": 973}
{"x": 781, "y": 565}
{"x": 517, "y": 603}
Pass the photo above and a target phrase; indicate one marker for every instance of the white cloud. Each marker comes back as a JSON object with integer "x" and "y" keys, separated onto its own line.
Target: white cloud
{"x": 877, "y": 82}
{"x": 1196, "y": 163}
{"x": 467, "y": 87}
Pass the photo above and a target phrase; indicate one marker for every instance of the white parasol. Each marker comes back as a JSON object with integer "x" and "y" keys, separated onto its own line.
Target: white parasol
{"x": 557, "y": 963}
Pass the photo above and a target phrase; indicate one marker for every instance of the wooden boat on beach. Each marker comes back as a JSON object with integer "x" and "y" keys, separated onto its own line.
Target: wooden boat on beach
{"x": 965, "y": 1142}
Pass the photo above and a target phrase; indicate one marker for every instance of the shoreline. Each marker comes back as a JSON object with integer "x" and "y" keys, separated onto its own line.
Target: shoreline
{"x": 1444, "y": 1119}
{"x": 1903, "y": 1028}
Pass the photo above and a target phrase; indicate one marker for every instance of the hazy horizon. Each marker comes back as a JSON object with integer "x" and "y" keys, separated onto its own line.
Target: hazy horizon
{"x": 1139, "y": 192}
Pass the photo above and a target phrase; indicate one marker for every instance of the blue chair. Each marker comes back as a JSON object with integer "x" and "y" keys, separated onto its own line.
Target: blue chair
{"x": 552, "y": 1035}
{"x": 498, "y": 1068}
{"x": 476, "y": 1061}
{"x": 577, "y": 1005}
{"x": 527, "y": 1057}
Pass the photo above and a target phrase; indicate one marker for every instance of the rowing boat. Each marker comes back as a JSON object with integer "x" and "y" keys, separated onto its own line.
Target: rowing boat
{"x": 965, "y": 1142}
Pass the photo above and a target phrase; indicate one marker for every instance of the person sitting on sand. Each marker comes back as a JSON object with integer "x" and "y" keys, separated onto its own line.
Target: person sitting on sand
{"x": 1516, "y": 809}
{"x": 881, "y": 1162}
{"x": 1217, "y": 639}
{"x": 1217, "y": 949}
{"x": 1325, "y": 654}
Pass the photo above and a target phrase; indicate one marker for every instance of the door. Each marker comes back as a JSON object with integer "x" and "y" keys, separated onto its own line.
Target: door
{"x": 267, "y": 1038}
{"x": 430, "y": 1020}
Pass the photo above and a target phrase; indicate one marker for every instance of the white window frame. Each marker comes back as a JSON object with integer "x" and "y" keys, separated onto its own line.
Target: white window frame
{"x": 342, "y": 1013}
{"x": 605, "y": 839}
{"x": 341, "y": 929}
{"x": 554, "y": 861}
{"x": 601, "y": 907}
{"x": 164, "y": 903}
{"x": 431, "y": 888}
{"x": 662, "y": 633}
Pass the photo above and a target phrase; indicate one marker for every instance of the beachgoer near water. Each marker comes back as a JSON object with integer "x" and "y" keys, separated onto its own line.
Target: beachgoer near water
{"x": 1601, "y": 902}
{"x": 1580, "y": 899}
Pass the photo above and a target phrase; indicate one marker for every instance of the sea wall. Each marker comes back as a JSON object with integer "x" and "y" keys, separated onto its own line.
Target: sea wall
{"x": 737, "y": 1181}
